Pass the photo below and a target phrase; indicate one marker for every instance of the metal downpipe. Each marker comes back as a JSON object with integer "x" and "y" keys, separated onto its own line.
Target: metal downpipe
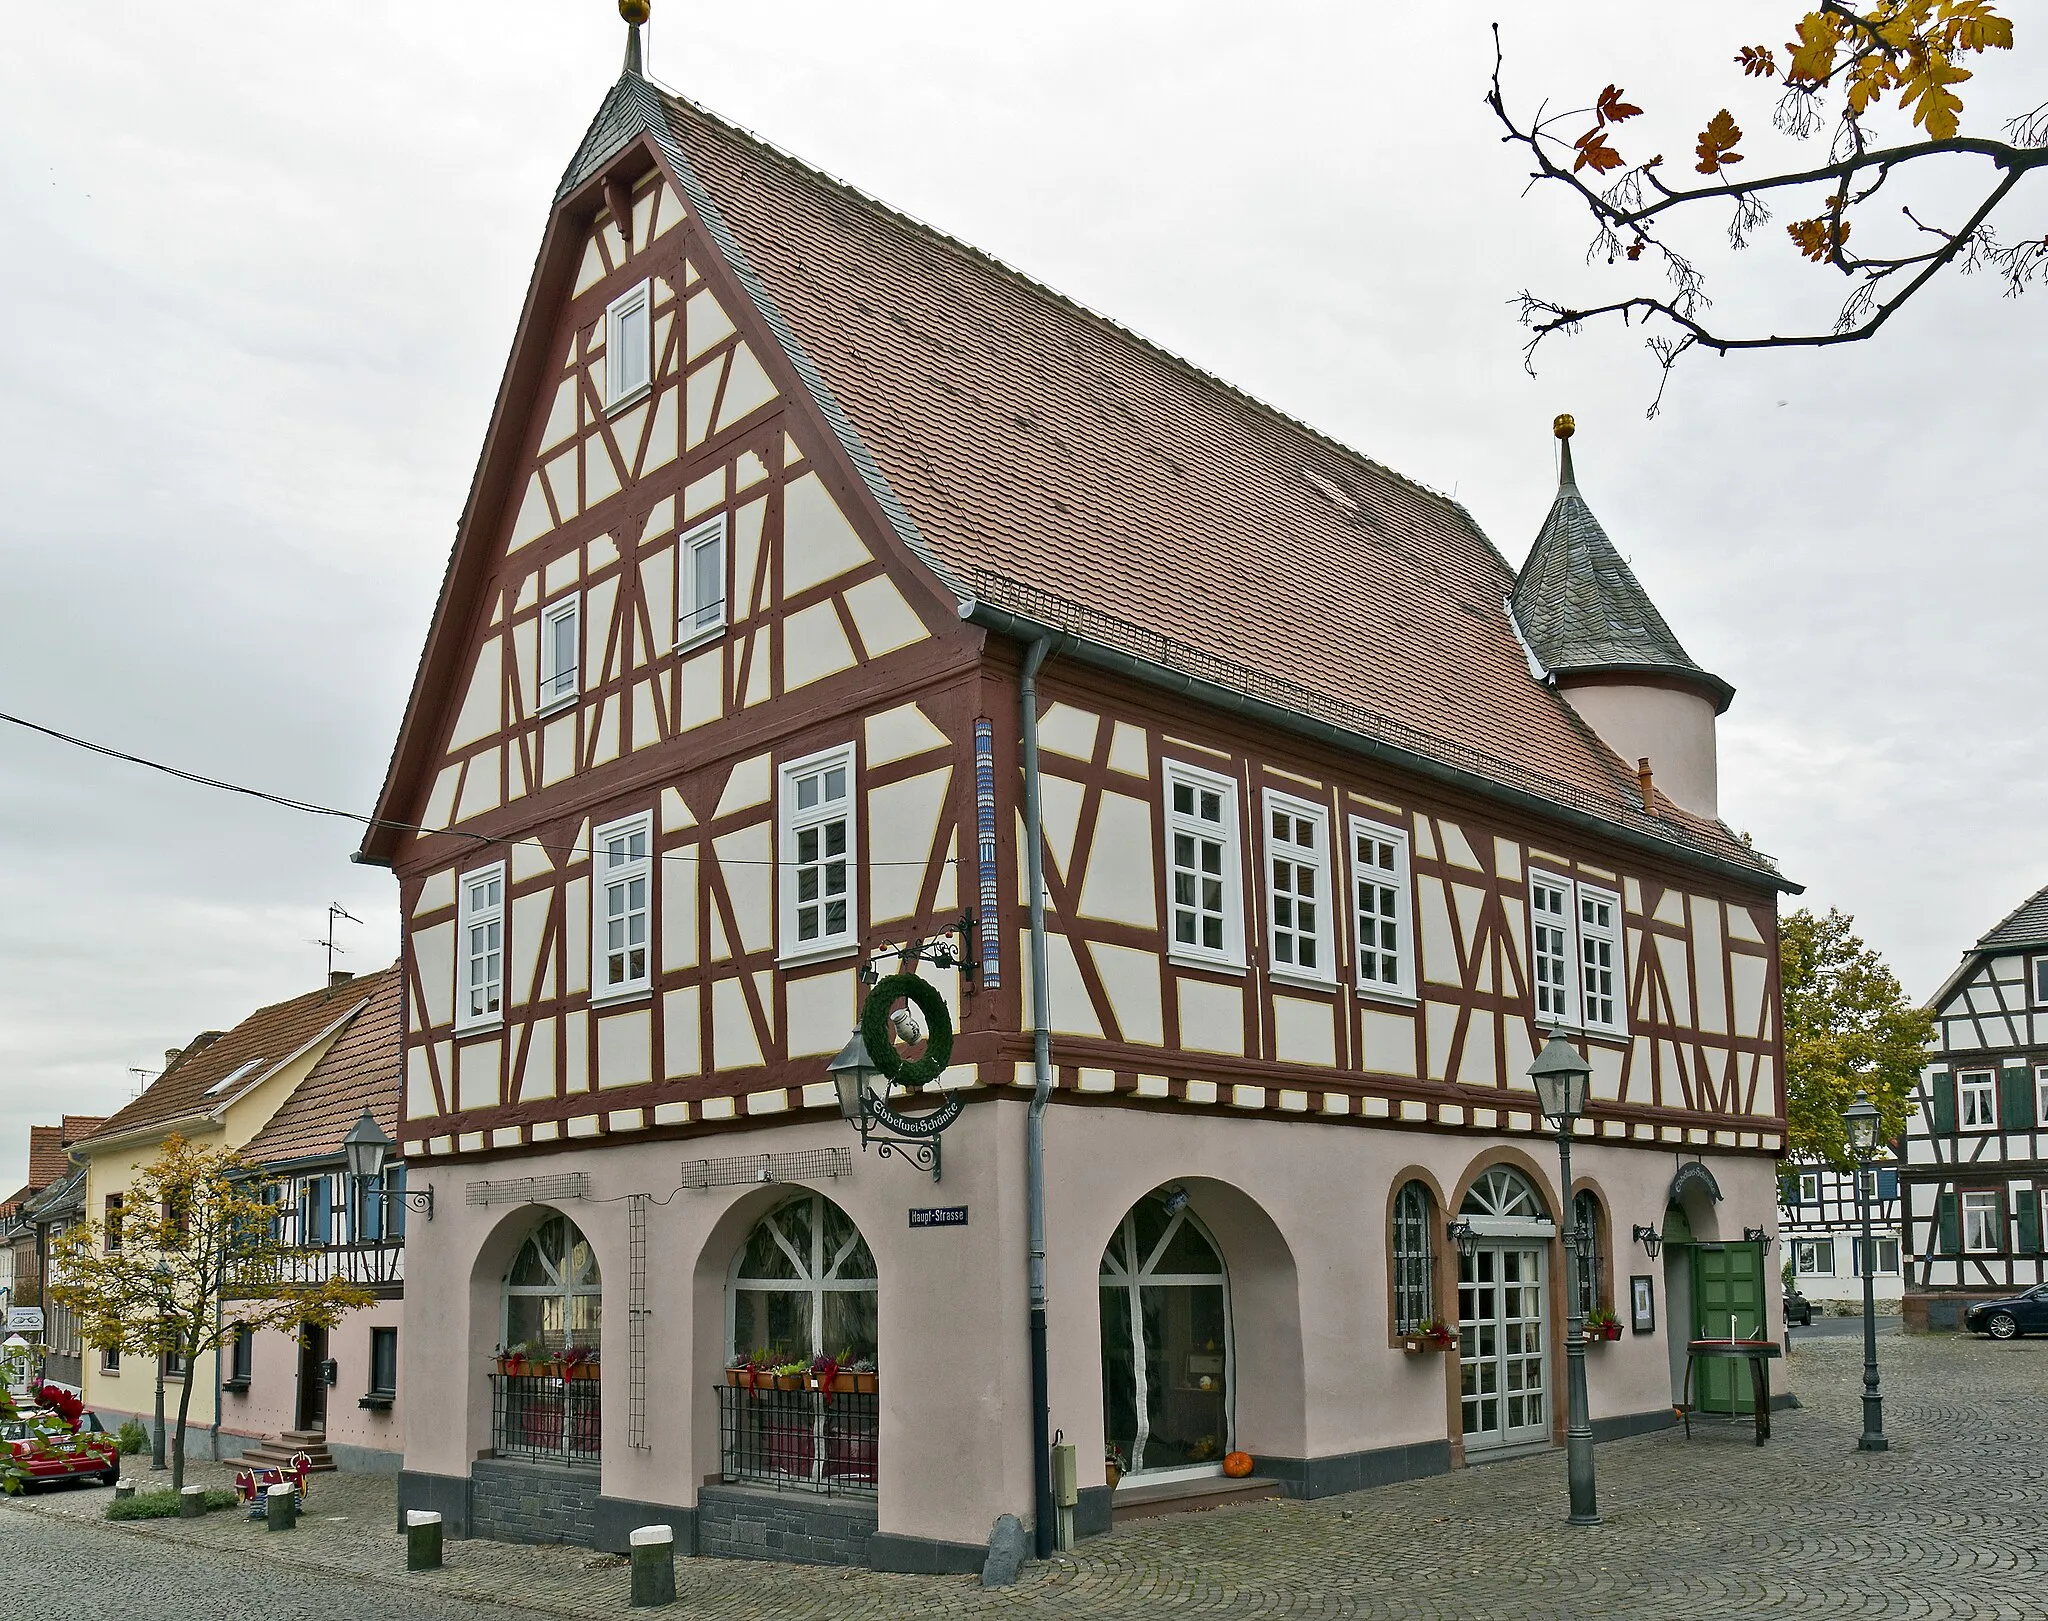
{"x": 1044, "y": 1513}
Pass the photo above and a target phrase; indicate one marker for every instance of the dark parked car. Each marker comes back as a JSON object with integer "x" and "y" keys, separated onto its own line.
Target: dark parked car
{"x": 2025, "y": 1313}
{"x": 1798, "y": 1309}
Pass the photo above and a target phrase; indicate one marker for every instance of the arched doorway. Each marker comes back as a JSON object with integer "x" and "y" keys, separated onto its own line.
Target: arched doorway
{"x": 1166, "y": 1351}
{"x": 1503, "y": 1312}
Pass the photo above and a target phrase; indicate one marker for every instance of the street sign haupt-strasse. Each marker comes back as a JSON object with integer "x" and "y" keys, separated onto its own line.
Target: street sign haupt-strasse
{"x": 951, "y": 1215}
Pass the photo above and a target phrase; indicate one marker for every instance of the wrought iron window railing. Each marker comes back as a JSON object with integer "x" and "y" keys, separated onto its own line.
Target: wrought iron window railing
{"x": 545, "y": 1418}
{"x": 800, "y": 1440}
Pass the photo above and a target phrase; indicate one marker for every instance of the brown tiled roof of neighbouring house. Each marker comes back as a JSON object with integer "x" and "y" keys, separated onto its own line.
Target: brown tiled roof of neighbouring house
{"x": 47, "y": 1160}
{"x": 202, "y": 1081}
{"x": 360, "y": 1071}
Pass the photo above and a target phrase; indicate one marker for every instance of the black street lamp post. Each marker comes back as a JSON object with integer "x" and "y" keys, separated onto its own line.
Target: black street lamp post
{"x": 1861, "y": 1120}
{"x": 1560, "y": 1075}
{"x": 162, "y": 1277}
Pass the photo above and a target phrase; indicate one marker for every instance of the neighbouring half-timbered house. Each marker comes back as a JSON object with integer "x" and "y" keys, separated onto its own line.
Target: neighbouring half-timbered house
{"x": 1977, "y": 1146}
{"x": 1820, "y": 1224}
{"x": 820, "y": 578}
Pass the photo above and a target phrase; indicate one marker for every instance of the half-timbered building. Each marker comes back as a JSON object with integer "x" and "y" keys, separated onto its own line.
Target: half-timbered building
{"x": 1820, "y": 1225}
{"x": 821, "y": 581}
{"x": 1977, "y": 1146}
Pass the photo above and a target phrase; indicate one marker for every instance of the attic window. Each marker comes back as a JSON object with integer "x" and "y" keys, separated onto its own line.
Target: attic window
{"x": 228, "y": 1082}
{"x": 628, "y": 345}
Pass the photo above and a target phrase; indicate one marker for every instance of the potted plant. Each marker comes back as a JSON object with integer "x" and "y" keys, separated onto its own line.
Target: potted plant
{"x": 579, "y": 1362}
{"x": 864, "y": 1375}
{"x": 513, "y": 1359}
{"x": 828, "y": 1377}
{"x": 1602, "y": 1324}
{"x": 1433, "y": 1335}
{"x": 791, "y": 1375}
{"x": 1113, "y": 1465}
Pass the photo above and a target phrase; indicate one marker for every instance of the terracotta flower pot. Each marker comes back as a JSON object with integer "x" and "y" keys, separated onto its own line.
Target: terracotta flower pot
{"x": 790, "y": 1381}
{"x": 865, "y": 1383}
{"x": 1112, "y": 1474}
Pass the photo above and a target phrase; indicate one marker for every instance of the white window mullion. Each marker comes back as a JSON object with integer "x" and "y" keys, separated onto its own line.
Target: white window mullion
{"x": 480, "y": 996}
{"x": 1205, "y": 918}
{"x": 628, "y": 344}
{"x": 1298, "y": 921}
{"x": 1380, "y": 908}
{"x": 622, "y": 896}
{"x": 561, "y": 643}
{"x": 818, "y": 864}
{"x": 1603, "y": 987}
{"x": 1552, "y": 950}
{"x": 701, "y": 577}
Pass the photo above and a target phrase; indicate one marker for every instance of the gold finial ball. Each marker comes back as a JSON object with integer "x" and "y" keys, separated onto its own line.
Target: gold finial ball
{"x": 1563, "y": 426}
{"x": 634, "y": 11}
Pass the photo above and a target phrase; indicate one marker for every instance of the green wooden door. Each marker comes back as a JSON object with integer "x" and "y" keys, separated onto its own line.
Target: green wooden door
{"x": 1727, "y": 1283}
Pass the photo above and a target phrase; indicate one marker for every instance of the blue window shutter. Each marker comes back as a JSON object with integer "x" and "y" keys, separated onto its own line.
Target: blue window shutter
{"x": 320, "y": 1210}
{"x": 1887, "y": 1184}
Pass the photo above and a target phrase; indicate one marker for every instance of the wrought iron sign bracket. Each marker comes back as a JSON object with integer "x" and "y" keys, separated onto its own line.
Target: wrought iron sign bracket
{"x": 949, "y": 948}
{"x": 911, "y": 1137}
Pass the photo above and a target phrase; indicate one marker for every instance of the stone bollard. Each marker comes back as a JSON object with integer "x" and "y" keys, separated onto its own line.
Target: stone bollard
{"x": 123, "y": 1490}
{"x": 422, "y": 1540}
{"x": 191, "y": 1502}
{"x": 654, "y": 1566}
{"x": 281, "y": 1506}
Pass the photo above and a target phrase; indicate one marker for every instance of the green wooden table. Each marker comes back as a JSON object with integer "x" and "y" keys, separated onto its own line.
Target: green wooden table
{"x": 1757, "y": 1353}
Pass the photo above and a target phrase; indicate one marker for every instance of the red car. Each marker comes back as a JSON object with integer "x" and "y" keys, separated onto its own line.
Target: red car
{"x": 47, "y": 1450}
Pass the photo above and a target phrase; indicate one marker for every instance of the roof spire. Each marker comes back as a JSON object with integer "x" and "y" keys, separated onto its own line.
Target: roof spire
{"x": 1563, "y": 427}
{"x": 635, "y": 13}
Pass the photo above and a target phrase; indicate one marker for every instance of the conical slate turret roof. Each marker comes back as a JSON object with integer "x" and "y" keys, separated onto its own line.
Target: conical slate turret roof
{"x": 1581, "y": 609}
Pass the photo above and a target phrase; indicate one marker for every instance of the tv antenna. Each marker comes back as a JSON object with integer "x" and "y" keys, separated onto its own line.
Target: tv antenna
{"x": 336, "y": 912}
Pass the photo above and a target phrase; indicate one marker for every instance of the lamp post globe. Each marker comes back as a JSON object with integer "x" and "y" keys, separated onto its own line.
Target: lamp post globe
{"x": 1860, "y": 1123}
{"x": 366, "y": 1148}
{"x": 1561, "y": 1073}
{"x": 853, "y": 1073}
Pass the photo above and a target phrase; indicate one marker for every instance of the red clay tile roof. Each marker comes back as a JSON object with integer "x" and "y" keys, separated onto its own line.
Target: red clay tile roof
{"x": 1042, "y": 450}
{"x": 360, "y": 1071}
{"x": 265, "y": 1039}
{"x": 47, "y": 1160}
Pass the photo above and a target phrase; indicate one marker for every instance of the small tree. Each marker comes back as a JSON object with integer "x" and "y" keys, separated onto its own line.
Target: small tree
{"x": 1848, "y": 1028}
{"x": 195, "y": 1234}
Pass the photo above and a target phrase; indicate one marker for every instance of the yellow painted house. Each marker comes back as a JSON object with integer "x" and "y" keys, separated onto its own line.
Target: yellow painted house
{"x": 220, "y": 1090}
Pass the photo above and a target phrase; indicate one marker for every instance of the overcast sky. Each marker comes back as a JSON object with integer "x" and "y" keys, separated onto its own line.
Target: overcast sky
{"x": 260, "y": 268}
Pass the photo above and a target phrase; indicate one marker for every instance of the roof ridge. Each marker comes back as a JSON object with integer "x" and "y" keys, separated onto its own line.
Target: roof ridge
{"x": 968, "y": 250}
{"x": 2013, "y": 916}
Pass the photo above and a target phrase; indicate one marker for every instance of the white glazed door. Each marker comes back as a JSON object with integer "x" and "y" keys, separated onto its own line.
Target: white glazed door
{"x": 1502, "y": 1338}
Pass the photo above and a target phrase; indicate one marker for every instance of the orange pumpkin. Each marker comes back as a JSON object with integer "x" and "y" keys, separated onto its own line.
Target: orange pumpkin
{"x": 1237, "y": 1464}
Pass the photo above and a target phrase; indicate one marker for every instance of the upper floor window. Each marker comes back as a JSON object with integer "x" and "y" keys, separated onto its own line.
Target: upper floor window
{"x": 1550, "y": 914}
{"x": 1575, "y": 947}
{"x": 622, "y": 896}
{"x": 316, "y": 1211}
{"x": 561, "y": 644}
{"x": 815, "y": 834}
{"x": 111, "y": 1227}
{"x": 628, "y": 344}
{"x": 1809, "y": 1187}
{"x": 1379, "y": 884}
{"x": 2041, "y": 980}
{"x": 2041, "y": 1093}
{"x": 483, "y": 947}
{"x": 1202, "y": 866}
{"x": 1298, "y": 882}
{"x": 1981, "y": 1223}
{"x": 1977, "y": 1094}
{"x": 1601, "y": 992}
{"x": 702, "y": 608}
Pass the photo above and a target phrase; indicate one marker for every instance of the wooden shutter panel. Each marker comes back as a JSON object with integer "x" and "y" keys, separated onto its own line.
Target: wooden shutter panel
{"x": 1788, "y": 1189}
{"x": 2016, "y": 1107}
{"x": 2027, "y": 1206}
{"x": 1945, "y": 1103}
{"x": 1950, "y": 1239}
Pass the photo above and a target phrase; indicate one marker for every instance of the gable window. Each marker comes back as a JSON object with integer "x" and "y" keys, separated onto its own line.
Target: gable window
{"x": 1600, "y": 987}
{"x": 1202, "y": 866}
{"x": 628, "y": 344}
{"x": 1298, "y": 881}
{"x": 1977, "y": 1093}
{"x": 483, "y": 947}
{"x": 816, "y": 841}
{"x": 624, "y": 885}
{"x": 1981, "y": 1223}
{"x": 1809, "y": 1187}
{"x": 1379, "y": 889}
{"x": 561, "y": 644}
{"x": 702, "y": 609}
{"x": 1550, "y": 914}
{"x": 1813, "y": 1257}
{"x": 1414, "y": 1260}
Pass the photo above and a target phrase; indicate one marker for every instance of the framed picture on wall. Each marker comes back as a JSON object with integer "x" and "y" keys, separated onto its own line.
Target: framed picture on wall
{"x": 1642, "y": 1301}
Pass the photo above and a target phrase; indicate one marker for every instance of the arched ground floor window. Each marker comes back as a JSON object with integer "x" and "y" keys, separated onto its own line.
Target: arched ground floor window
{"x": 548, "y": 1398}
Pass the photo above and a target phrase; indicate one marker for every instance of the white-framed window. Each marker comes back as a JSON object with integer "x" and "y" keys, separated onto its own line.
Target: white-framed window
{"x": 1809, "y": 1187}
{"x": 1550, "y": 949}
{"x": 1813, "y": 1257}
{"x": 1886, "y": 1251}
{"x": 561, "y": 652}
{"x": 700, "y": 612}
{"x": 628, "y": 344}
{"x": 1380, "y": 911}
{"x": 1981, "y": 1223}
{"x": 1977, "y": 1100}
{"x": 816, "y": 838}
{"x": 2041, "y": 981}
{"x": 1205, "y": 912}
{"x": 622, "y": 899}
{"x": 1298, "y": 920}
{"x": 480, "y": 999}
{"x": 1602, "y": 994}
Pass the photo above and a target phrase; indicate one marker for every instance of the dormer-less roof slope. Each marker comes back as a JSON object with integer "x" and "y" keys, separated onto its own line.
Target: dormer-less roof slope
{"x": 1046, "y": 461}
{"x": 267, "y": 1038}
{"x": 360, "y": 1071}
{"x": 1581, "y": 608}
{"x": 2025, "y": 928}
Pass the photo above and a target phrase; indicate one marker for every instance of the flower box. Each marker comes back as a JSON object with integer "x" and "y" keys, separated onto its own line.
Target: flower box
{"x": 866, "y": 1383}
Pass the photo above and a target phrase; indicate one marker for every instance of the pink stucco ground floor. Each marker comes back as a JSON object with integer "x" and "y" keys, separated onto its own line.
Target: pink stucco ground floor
{"x": 1216, "y": 1285}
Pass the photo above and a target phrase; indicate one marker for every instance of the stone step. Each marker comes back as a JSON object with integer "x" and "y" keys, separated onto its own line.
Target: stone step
{"x": 1187, "y": 1496}
{"x": 278, "y": 1455}
{"x": 304, "y": 1438}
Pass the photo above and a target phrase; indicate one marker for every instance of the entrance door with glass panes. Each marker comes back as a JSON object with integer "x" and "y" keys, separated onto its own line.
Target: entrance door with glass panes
{"x": 1166, "y": 1360}
{"x": 1503, "y": 1328}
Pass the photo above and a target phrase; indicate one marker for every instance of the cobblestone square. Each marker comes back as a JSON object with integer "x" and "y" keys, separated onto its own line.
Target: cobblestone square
{"x": 1949, "y": 1523}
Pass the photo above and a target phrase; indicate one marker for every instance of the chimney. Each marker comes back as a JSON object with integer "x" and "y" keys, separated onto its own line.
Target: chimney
{"x": 172, "y": 1055}
{"x": 338, "y": 976}
{"x": 1643, "y": 782}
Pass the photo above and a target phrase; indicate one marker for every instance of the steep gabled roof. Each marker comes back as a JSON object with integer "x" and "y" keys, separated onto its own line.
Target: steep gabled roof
{"x": 46, "y": 1158}
{"x": 208, "y": 1080}
{"x": 360, "y": 1071}
{"x": 1041, "y": 458}
{"x": 2024, "y": 928}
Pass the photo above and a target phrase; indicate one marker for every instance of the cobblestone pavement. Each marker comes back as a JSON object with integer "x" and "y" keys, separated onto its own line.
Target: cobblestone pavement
{"x": 1949, "y": 1523}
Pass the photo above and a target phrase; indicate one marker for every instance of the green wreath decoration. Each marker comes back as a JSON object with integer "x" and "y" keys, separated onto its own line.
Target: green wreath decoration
{"x": 881, "y": 1044}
